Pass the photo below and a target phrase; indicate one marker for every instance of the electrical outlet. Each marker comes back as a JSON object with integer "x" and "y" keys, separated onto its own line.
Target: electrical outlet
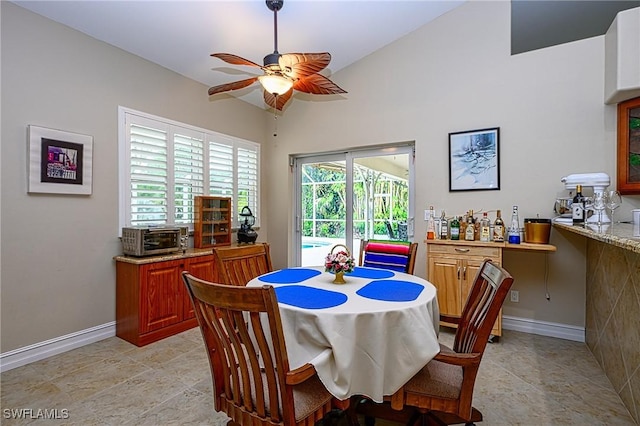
{"x": 426, "y": 215}
{"x": 515, "y": 296}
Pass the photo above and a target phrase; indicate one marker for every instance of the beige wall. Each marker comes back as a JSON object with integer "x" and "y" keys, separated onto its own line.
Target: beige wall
{"x": 455, "y": 74}
{"x": 57, "y": 273}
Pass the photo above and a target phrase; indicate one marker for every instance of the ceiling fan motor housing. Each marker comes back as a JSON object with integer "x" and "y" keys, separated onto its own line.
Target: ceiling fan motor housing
{"x": 271, "y": 60}
{"x": 274, "y": 5}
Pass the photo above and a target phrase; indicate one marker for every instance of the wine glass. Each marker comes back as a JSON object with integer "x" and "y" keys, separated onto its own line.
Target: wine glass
{"x": 612, "y": 202}
{"x": 599, "y": 204}
{"x": 586, "y": 207}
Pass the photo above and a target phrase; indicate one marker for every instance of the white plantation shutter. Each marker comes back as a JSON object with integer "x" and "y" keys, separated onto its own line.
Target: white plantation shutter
{"x": 148, "y": 186}
{"x": 221, "y": 168}
{"x": 188, "y": 173}
{"x": 165, "y": 164}
{"x": 247, "y": 166}
{"x": 233, "y": 172}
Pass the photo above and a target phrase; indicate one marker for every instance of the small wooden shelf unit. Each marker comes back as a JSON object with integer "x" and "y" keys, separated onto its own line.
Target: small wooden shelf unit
{"x": 212, "y": 226}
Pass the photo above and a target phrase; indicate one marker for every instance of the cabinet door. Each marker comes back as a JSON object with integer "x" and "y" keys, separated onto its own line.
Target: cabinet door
{"x": 199, "y": 267}
{"x": 161, "y": 303}
{"x": 472, "y": 268}
{"x": 468, "y": 275}
{"x": 444, "y": 274}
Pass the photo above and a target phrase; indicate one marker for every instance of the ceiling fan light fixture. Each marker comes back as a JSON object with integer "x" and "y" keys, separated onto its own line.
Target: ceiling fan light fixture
{"x": 275, "y": 84}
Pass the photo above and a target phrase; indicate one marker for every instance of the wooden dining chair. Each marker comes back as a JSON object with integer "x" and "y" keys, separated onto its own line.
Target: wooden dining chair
{"x": 442, "y": 391}
{"x": 252, "y": 381}
{"x": 239, "y": 265}
{"x": 395, "y": 255}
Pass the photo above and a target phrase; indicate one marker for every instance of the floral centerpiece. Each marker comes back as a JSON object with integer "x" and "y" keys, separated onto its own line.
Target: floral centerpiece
{"x": 339, "y": 262}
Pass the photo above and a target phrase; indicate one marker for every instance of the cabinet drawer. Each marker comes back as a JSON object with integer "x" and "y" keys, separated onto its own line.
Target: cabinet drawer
{"x": 466, "y": 250}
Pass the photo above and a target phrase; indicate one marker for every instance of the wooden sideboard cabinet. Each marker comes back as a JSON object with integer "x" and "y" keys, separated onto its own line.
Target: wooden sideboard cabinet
{"x": 151, "y": 300}
{"x": 452, "y": 267}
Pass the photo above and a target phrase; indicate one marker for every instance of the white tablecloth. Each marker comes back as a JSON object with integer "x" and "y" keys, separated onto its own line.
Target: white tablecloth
{"x": 362, "y": 346}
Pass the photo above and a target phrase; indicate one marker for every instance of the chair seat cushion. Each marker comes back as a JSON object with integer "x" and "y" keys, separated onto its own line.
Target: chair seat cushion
{"x": 437, "y": 379}
{"x": 308, "y": 396}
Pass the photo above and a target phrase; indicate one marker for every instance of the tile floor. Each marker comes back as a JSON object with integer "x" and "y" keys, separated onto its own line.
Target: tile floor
{"x": 524, "y": 380}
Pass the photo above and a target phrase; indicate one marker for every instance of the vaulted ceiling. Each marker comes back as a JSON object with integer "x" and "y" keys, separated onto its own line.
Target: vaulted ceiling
{"x": 181, "y": 35}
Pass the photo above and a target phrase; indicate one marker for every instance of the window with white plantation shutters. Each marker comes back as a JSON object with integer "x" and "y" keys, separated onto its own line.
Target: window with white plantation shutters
{"x": 165, "y": 164}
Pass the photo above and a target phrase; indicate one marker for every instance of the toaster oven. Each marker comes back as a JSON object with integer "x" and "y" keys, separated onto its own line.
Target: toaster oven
{"x": 152, "y": 240}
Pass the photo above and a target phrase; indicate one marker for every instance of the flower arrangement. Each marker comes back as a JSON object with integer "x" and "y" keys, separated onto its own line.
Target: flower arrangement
{"x": 340, "y": 261}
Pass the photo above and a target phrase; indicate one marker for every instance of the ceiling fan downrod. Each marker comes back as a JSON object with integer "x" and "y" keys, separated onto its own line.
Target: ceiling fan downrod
{"x": 275, "y": 6}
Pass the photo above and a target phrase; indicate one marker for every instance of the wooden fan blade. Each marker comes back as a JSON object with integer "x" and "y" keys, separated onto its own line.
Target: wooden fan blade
{"x": 299, "y": 65}
{"x": 232, "y": 86}
{"x": 317, "y": 84}
{"x": 235, "y": 59}
{"x": 277, "y": 102}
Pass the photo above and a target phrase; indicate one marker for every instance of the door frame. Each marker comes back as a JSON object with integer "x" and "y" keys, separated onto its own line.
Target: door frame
{"x": 297, "y": 161}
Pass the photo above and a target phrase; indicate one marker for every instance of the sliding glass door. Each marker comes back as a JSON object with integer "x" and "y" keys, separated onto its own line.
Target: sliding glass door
{"x": 344, "y": 197}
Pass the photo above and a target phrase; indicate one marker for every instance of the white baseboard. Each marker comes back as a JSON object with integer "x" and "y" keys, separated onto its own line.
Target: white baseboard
{"x": 544, "y": 328}
{"x": 28, "y": 354}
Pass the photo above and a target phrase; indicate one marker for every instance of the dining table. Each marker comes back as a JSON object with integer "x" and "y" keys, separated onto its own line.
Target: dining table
{"x": 366, "y": 337}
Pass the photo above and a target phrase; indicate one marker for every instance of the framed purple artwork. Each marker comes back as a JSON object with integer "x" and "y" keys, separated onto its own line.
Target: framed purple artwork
{"x": 59, "y": 162}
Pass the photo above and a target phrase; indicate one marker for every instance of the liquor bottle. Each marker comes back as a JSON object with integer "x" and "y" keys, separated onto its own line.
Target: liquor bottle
{"x": 498, "y": 228}
{"x": 476, "y": 228}
{"x": 470, "y": 230}
{"x": 577, "y": 207}
{"x": 485, "y": 228}
{"x": 463, "y": 224}
{"x": 438, "y": 223}
{"x": 431, "y": 225}
{"x": 444, "y": 227}
{"x": 455, "y": 228}
{"x": 514, "y": 228}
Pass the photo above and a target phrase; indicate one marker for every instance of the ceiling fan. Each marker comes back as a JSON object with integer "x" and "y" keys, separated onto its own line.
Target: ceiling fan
{"x": 282, "y": 72}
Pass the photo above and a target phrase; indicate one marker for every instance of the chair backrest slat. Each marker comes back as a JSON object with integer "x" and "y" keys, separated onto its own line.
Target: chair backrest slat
{"x": 239, "y": 265}
{"x": 482, "y": 307}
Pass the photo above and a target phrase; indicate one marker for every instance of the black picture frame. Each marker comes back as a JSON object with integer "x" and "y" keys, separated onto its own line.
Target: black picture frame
{"x": 61, "y": 162}
{"x": 474, "y": 160}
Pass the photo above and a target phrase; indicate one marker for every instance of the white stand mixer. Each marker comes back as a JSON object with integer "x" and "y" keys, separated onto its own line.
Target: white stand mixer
{"x": 598, "y": 181}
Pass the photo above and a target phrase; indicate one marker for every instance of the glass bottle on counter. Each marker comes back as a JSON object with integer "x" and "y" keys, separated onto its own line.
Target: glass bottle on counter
{"x": 431, "y": 225}
{"x": 470, "y": 230}
{"x": 577, "y": 207}
{"x": 444, "y": 227}
{"x": 455, "y": 228}
{"x": 514, "y": 228}
{"x": 485, "y": 228}
{"x": 498, "y": 228}
{"x": 463, "y": 224}
{"x": 476, "y": 228}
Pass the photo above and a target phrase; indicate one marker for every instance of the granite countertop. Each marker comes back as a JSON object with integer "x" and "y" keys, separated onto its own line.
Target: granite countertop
{"x": 164, "y": 257}
{"x": 624, "y": 235}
